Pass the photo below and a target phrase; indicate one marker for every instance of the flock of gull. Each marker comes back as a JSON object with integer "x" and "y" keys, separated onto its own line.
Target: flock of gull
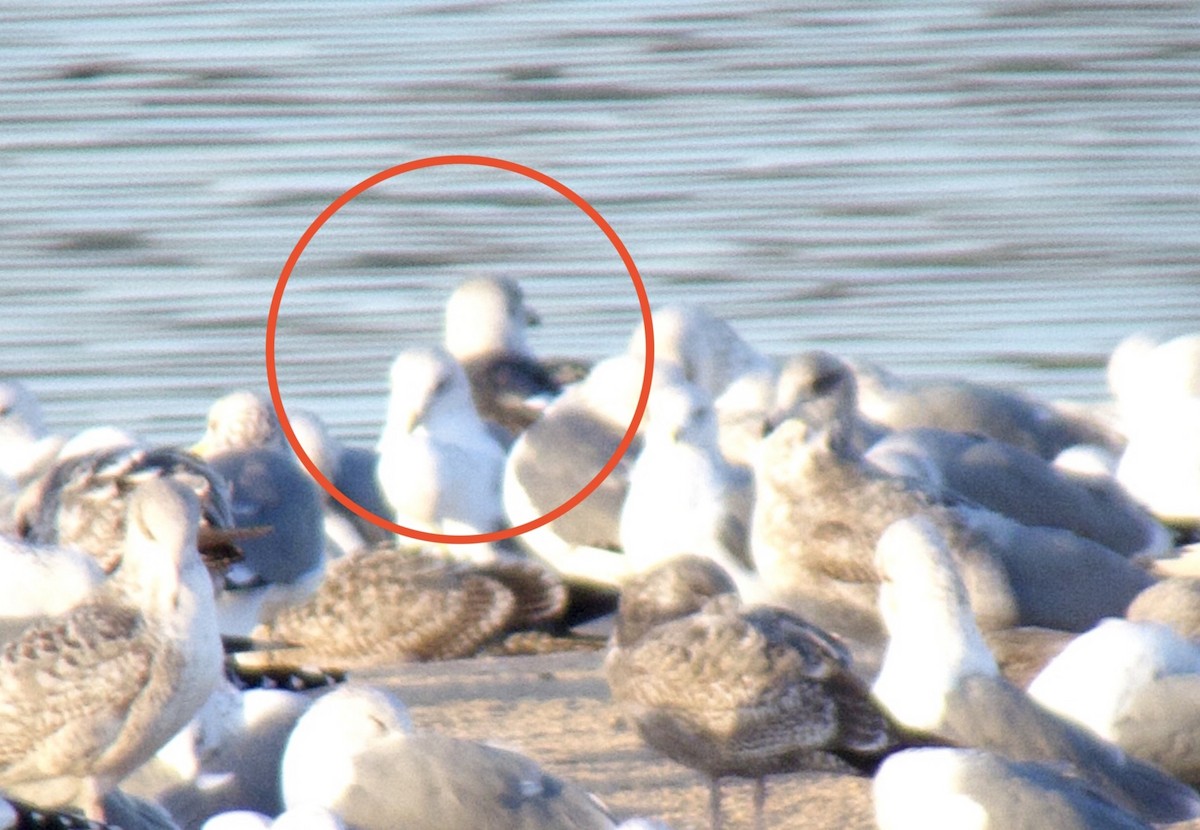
{"x": 987, "y": 602}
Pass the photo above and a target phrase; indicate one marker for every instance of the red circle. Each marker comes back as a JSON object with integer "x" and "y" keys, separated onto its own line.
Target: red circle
{"x": 479, "y": 161}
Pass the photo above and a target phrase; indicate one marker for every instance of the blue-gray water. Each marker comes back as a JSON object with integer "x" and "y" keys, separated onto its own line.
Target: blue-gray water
{"x": 994, "y": 189}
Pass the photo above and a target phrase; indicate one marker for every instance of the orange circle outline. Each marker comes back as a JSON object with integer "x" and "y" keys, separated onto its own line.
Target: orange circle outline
{"x": 479, "y": 161}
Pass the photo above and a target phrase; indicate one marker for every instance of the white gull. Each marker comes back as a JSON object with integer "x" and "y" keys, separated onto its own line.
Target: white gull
{"x": 939, "y": 680}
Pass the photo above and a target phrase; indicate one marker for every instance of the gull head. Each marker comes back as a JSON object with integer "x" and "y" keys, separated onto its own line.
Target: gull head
{"x": 487, "y": 315}
{"x": 241, "y": 420}
{"x": 428, "y": 388}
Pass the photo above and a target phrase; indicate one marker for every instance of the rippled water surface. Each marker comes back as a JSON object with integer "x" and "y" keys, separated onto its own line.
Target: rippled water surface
{"x": 995, "y": 189}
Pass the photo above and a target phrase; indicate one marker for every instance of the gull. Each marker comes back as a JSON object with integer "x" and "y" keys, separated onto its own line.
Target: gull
{"x": 1157, "y": 391}
{"x": 707, "y": 351}
{"x": 683, "y": 497}
{"x": 820, "y": 507}
{"x": 734, "y": 691}
{"x": 957, "y": 405}
{"x": 88, "y": 696}
{"x": 943, "y": 787}
{"x": 562, "y": 452}
{"x": 226, "y": 758}
{"x": 243, "y": 442}
{"x": 354, "y": 753}
{"x": 81, "y": 500}
{"x": 1135, "y": 684}
{"x": 352, "y": 471}
{"x": 485, "y": 331}
{"x": 1023, "y": 486}
{"x": 387, "y": 605}
{"x": 439, "y": 467}
{"x": 939, "y": 680}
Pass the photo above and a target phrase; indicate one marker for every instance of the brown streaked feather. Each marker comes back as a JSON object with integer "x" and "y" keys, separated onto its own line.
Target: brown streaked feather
{"x": 387, "y": 605}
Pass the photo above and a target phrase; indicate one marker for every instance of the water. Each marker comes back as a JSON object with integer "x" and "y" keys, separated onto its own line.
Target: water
{"x": 996, "y": 190}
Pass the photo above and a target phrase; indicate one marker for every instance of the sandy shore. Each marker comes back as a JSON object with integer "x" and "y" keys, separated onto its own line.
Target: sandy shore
{"x": 556, "y": 709}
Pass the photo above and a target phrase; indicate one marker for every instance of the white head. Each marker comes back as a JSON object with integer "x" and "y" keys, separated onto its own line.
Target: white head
{"x": 240, "y": 421}
{"x": 318, "y": 760}
{"x": 485, "y": 316}
{"x": 429, "y": 389}
{"x": 161, "y": 523}
{"x": 933, "y": 639}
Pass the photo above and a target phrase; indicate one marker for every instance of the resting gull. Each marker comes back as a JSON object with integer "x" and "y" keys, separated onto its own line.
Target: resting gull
{"x": 955, "y": 789}
{"x": 243, "y": 442}
{"x": 683, "y": 497}
{"x": 439, "y": 467}
{"x": 1023, "y": 486}
{"x": 1157, "y": 390}
{"x": 81, "y": 501}
{"x": 562, "y": 452}
{"x": 731, "y": 691}
{"x": 226, "y": 758}
{"x": 88, "y": 696}
{"x": 1135, "y": 684}
{"x": 352, "y": 471}
{"x": 354, "y": 752}
{"x": 485, "y": 325}
{"x": 708, "y": 352}
{"x": 956, "y": 405}
{"x": 388, "y": 605}
{"x": 820, "y": 507}
{"x": 939, "y": 680}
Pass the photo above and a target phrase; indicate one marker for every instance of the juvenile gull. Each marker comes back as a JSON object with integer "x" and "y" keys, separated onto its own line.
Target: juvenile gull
{"x": 559, "y": 454}
{"x": 439, "y": 467}
{"x": 820, "y": 507}
{"x": 731, "y": 691}
{"x": 385, "y": 605}
{"x": 243, "y": 442}
{"x": 1135, "y": 684}
{"x": 87, "y": 697}
{"x": 939, "y": 680}
{"x": 485, "y": 325}
{"x": 352, "y": 471}
{"x": 81, "y": 501}
{"x": 354, "y": 753}
{"x": 683, "y": 497}
{"x": 968, "y": 788}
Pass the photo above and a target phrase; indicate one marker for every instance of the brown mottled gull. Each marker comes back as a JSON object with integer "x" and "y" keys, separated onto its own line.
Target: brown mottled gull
{"x": 731, "y": 691}
{"x": 87, "y": 697}
{"x": 386, "y": 605}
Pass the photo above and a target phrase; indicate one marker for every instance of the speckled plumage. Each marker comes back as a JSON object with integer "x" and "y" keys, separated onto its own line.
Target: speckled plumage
{"x": 81, "y": 501}
{"x": 734, "y": 692}
{"x": 88, "y": 696}
{"x": 387, "y": 605}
